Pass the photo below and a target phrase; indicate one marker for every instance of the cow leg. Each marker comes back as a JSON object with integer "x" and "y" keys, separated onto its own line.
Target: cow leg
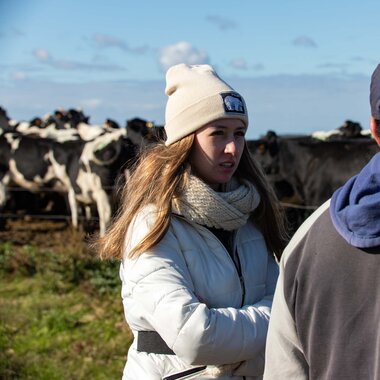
{"x": 88, "y": 222}
{"x": 3, "y": 195}
{"x": 3, "y": 200}
{"x": 87, "y": 210}
{"x": 73, "y": 208}
{"x": 104, "y": 210}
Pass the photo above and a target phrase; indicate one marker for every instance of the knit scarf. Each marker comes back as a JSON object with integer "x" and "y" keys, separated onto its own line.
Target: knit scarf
{"x": 227, "y": 210}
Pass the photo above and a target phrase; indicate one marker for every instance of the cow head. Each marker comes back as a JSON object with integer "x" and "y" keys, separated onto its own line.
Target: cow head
{"x": 37, "y": 122}
{"x": 350, "y": 129}
{"x": 4, "y": 119}
{"x": 110, "y": 124}
{"x": 74, "y": 117}
{"x": 265, "y": 151}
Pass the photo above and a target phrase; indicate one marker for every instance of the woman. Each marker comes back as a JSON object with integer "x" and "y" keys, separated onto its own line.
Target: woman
{"x": 197, "y": 234}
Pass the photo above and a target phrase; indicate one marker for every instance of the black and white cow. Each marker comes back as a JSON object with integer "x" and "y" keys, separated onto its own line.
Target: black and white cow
{"x": 348, "y": 130}
{"x": 101, "y": 162}
{"x": 5, "y": 152}
{"x": 84, "y": 171}
{"x": 305, "y": 171}
{"x": 143, "y": 132}
{"x": 4, "y": 120}
{"x": 66, "y": 119}
{"x": 24, "y": 164}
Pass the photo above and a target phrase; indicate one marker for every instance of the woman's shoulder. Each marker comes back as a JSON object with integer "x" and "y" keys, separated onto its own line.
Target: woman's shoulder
{"x": 144, "y": 221}
{"x": 146, "y": 215}
{"x": 251, "y": 231}
{"x": 141, "y": 224}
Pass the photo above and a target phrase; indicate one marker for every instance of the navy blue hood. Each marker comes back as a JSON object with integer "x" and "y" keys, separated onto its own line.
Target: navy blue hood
{"x": 355, "y": 207}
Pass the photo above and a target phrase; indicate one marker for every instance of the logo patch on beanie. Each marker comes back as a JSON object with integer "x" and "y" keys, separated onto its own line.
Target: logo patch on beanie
{"x": 233, "y": 102}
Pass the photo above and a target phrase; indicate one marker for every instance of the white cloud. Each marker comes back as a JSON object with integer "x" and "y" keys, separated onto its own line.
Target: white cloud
{"x": 332, "y": 65}
{"x": 121, "y": 100}
{"x": 42, "y": 55}
{"x": 239, "y": 63}
{"x": 242, "y": 65}
{"x": 181, "y": 52}
{"x": 104, "y": 40}
{"x": 304, "y": 41}
{"x": 107, "y": 41}
{"x": 258, "y": 67}
{"x": 221, "y": 22}
{"x": 287, "y": 104}
{"x": 90, "y": 103}
{"x": 19, "y": 75}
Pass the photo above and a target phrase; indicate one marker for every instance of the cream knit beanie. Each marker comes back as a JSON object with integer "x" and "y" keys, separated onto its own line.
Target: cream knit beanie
{"x": 197, "y": 96}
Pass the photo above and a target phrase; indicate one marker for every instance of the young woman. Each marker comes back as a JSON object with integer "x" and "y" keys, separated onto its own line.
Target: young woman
{"x": 198, "y": 235}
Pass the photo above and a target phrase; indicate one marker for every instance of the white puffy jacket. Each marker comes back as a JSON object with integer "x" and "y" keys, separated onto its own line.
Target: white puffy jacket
{"x": 188, "y": 290}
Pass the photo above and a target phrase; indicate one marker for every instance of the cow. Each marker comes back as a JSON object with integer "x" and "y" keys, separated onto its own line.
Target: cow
{"x": 5, "y": 152}
{"x": 143, "y": 132}
{"x": 66, "y": 119}
{"x": 305, "y": 171}
{"x": 24, "y": 164}
{"x": 54, "y": 130}
{"x": 84, "y": 171}
{"x": 101, "y": 162}
{"x": 4, "y": 120}
{"x": 349, "y": 129}
{"x": 111, "y": 124}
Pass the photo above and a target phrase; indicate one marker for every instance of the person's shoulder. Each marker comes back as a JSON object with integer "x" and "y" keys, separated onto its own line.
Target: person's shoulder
{"x": 252, "y": 230}
{"x": 141, "y": 224}
{"x": 146, "y": 215}
{"x": 303, "y": 230}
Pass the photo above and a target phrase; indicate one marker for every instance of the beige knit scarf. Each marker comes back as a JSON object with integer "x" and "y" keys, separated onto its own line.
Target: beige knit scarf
{"x": 227, "y": 210}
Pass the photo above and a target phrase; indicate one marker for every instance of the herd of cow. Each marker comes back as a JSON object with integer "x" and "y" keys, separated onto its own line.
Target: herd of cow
{"x": 63, "y": 157}
{"x": 61, "y": 161}
{"x": 305, "y": 170}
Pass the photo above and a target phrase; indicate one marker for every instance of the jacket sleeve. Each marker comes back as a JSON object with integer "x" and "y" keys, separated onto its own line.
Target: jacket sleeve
{"x": 162, "y": 288}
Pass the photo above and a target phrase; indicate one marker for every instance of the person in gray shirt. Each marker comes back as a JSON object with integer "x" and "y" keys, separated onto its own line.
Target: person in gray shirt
{"x": 325, "y": 321}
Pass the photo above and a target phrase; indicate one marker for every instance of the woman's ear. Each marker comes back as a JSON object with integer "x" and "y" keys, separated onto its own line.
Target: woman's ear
{"x": 374, "y": 130}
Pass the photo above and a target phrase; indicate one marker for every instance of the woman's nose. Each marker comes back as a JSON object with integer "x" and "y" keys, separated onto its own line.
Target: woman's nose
{"x": 231, "y": 147}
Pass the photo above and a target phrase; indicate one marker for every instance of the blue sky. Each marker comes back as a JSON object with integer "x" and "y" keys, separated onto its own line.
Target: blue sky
{"x": 301, "y": 65}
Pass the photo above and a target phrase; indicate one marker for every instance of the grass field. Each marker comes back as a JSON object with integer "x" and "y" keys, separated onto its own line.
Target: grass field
{"x": 60, "y": 312}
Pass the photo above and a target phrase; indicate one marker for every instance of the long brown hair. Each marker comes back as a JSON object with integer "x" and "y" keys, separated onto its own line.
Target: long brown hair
{"x": 160, "y": 174}
{"x": 269, "y": 215}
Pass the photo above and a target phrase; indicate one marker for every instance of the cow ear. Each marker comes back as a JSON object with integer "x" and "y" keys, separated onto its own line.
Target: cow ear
{"x": 262, "y": 148}
{"x": 106, "y": 154}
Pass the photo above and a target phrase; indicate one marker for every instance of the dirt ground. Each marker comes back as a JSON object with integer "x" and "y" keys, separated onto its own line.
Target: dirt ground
{"x": 49, "y": 234}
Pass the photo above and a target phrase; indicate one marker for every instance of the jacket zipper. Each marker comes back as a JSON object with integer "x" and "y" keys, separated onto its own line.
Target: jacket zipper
{"x": 237, "y": 265}
{"x": 185, "y": 374}
{"x": 242, "y": 283}
{"x": 236, "y": 259}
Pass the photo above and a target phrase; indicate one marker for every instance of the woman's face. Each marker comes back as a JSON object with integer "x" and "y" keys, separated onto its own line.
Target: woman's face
{"x": 217, "y": 150}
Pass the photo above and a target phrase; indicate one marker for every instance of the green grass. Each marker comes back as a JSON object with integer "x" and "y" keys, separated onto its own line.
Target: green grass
{"x": 60, "y": 315}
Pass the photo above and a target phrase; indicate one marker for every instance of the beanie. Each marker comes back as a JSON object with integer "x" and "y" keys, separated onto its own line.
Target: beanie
{"x": 197, "y": 96}
{"x": 374, "y": 94}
